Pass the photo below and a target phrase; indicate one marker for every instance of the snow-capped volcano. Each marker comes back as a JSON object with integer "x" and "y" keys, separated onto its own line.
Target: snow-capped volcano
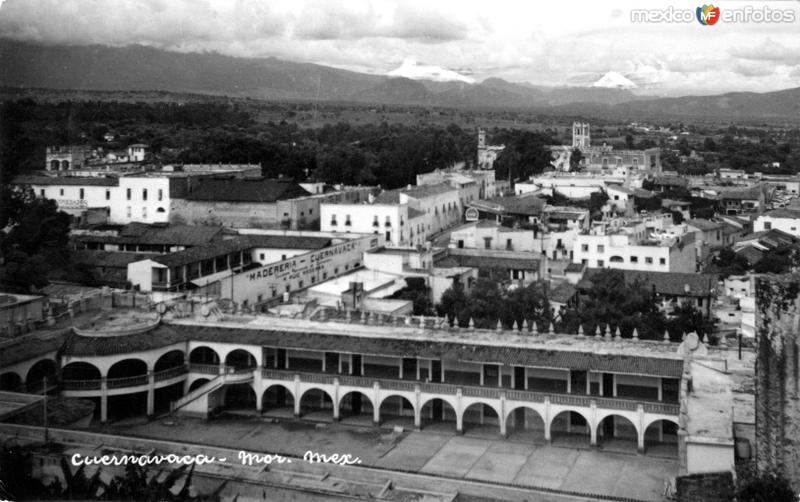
{"x": 416, "y": 71}
{"x": 614, "y": 80}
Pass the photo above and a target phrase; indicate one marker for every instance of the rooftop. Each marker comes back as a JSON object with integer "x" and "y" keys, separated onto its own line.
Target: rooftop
{"x": 65, "y": 180}
{"x": 176, "y": 235}
{"x": 484, "y": 259}
{"x": 246, "y": 190}
{"x": 793, "y": 214}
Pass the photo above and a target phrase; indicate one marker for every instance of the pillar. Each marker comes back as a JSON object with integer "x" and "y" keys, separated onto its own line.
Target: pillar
{"x": 592, "y": 423}
{"x": 417, "y": 409}
{"x": 103, "y": 400}
{"x": 335, "y": 399}
{"x": 547, "y": 419}
{"x": 640, "y": 428}
{"x": 660, "y": 388}
{"x": 569, "y": 382}
{"x": 588, "y": 383}
{"x": 502, "y": 416}
{"x": 614, "y": 380}
{"x": 151, "y": 393}
{"x": 299, "y": 396}
{"x": 376, "y": 411}
{"x": 459, "y": 413}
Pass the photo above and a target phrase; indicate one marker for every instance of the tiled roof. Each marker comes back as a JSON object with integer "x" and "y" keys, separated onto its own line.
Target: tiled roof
{"x": 65, "y": 180}
{"x": 112, "y": 259}
{"x": 288, "y": 241}
{"x": 199, "y": 253}
{"x": 668, "y": 283}
{"x": 793, "y": 214}
{"x": 670, "y": 181}
{"x": 176, "y": 235}
{"x": 165, "y": 335}
{"x": 415, "y": 192}
{"x": 574, "y": 267}
{"x": 414, "y": 213}
{"x": 753, "y": 193}
{"x": 703, "y": 224}
{"x": 489, "y": 259}
{"x": 246, "y": 190}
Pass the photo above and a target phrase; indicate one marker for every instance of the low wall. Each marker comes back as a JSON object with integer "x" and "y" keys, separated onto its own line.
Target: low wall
{"x": 706, "y": 487}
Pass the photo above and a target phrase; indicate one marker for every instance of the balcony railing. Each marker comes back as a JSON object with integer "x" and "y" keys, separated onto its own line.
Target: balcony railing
{"x": 477, "y": 391}
{"x": 208, "y": 369}
{"x": 119, "y": 383}
{"x": 170, "y": 373}
{"x": 134, "y": 381}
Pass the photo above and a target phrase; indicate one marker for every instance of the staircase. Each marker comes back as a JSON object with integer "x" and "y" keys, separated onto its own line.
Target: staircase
{"x": 197, "y": 402}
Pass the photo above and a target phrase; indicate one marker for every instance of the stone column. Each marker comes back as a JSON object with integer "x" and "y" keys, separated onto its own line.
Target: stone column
{"x": 151, "y": 393}
{"x": 502, "y": 416}
{"x": 640, "y": 429}
{"x": 103, "y": 400}
{"x": 298, "y": 396}
{"x": 592, "y": 423}
{"x": 336, "y": 413}
{"x": 376, "y": 411}
{"x": 417, "y": 408}
{"x": 459, "y": 413}
{"x": 547, "y": 420}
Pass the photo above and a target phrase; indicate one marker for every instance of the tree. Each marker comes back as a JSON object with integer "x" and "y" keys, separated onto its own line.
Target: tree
{"x": 596, "y": 202}
{"x": 418, "y": 293}
{"x": 710, "y": 145}
{"x": 575, "y": 159}
{"x": 454, "y": 303}
{"x": 610, "y": 301}
{"x": 754, "y": 485}
{"x": 37, "y": 242}
{"x": 726, "y": 263}
{"x": 529, "y": 303}
{"x": 683, "y": 146}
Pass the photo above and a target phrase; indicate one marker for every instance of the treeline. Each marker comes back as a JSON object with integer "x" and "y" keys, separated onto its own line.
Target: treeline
{"x": 386, "y": 154}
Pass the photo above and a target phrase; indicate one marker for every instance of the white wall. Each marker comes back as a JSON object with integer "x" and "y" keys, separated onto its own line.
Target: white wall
{"x": 68, "y": 197}
{"x": 788, "y": 225}
{"x": 155, "y": 209}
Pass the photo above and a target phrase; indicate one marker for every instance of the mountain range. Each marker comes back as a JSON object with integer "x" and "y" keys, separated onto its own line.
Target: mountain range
{"x": 140, "y": 68}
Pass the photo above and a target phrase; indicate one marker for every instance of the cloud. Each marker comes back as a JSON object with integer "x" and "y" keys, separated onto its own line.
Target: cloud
{"x": 517, "y": 41}
{"x": 768, "y": 50}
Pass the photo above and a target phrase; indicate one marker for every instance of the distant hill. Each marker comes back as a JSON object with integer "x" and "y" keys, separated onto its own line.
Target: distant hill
{"x": 140, "y": 68}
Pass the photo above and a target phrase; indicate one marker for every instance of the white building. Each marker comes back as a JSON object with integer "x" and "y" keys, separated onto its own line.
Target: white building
{"x": 406, "y": 217}
{"x": 73, "y": 195}
{"x": 145, "y": 199}
{"x": 786, "y": 220}
{"x": 487, "y": 154}
{"x": 623, "y": 250}
{"x": 137, "y": 152}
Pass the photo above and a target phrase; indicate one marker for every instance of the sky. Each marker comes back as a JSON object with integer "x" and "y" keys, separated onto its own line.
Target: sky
{"x": 544, "y": 43}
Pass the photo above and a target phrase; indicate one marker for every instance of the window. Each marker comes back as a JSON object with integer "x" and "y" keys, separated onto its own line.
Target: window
{"x": 61, "y": 191}
{"x": 616, "y": 197}
{"x": 601, "y": 263}
{"x": 283, "y": 257}
{"x": 662, "y": 261}
{"x": 585, "y": 247}
{"x": 648, "y": 260}
{"x": 81, "y": 193}
{"x": 634, "y": 259}
{"x": 128, "y": 193}
{"x": 388, "y": 221}
{"x": 144, "y": 212}
{"x": 347, "y": 221}
{"x": 41, "y": 192}
{"x": 160, "y": 194}
{"x": 310, "y": 212}
{"x": 375, "y": 221}
{"x": 601, "y": 248}
{"x": 261, "y": 256}
{"x": 333, "y": 220}
{"x": 260, "y": 298}
{"x": 509, "y": 246}
{"x": 767, "y": 225}
{"x": 144, "y": 194}
{"x": 487, "y": 243}
{"x": 108, "y": 194}
{"x": 128, "y": 211}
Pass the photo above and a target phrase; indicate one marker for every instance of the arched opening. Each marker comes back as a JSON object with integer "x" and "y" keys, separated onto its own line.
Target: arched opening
{"x": 198, "y": 383}
{"x": 525, "y": 424}
{"x": 316, "y": 404}
{"x": 438, "y": 415}
{"x": 240, "y": 397}
{"x": 160, "y": 210}
{"x": 80, "y": 371}
{"x": 10, "y": 381}
{"x": 171, "y": 359}
{"x": 356, "y": 408}
{"x": 126, "y": 406}
{"x": 204, "y": 355}
{"x": 127, "y": 368}
{"x": 166, "y": 395}
{"x": 277, "y": 401}
{"x": 240, "y": 359}
{"x": 46, "y": 368}
{"x": 661, "y": 439}
{"x": 570, "y": 428}
{"x": 616, "y": 259}
{"x": 64, "y": 165}
{"x": 54, "y": 164}
{"x": 617, "y": 433}
{"x": 397, "y": 410}
{"x": 480, "y": 419}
